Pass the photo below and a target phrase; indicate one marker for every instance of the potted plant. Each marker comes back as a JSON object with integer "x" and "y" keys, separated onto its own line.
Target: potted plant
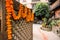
{"x": 41, "y": 10}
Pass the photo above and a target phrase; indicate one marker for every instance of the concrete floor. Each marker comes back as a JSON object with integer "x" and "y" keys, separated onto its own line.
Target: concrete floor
{"x": 39, "y": 34}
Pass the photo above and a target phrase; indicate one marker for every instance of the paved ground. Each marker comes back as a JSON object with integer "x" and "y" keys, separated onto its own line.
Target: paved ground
{"x": 39, "y": 34}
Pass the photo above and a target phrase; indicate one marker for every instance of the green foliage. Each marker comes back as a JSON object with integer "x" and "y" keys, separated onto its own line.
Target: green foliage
{"x": 54, "y": 23}
{"x": 42, "y": 9}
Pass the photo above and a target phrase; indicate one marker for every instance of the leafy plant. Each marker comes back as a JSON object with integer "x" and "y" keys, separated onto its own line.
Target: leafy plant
{"x": 42, "y": 9}
{"x": 54, "y": 23}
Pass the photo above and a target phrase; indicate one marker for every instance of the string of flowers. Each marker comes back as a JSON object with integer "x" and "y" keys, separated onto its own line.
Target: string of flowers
{"x": 26, "y": 13}
{"x": 8, "y": 21}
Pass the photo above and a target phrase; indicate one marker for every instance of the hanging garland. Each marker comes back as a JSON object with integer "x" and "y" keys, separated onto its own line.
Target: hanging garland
{"x": 23, "y": 13}
{"x": 8, "y": 21}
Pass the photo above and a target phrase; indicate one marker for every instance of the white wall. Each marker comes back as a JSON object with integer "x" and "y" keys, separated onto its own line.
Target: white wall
{"x": 29, "y": 2}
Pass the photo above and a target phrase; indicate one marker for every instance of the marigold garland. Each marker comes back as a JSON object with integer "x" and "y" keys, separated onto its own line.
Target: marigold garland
{"x": 8, "y": 21}
{"x": 32, "y": 16}
{"x": 23, "y": 12}
{"x": 9, "y": 5}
